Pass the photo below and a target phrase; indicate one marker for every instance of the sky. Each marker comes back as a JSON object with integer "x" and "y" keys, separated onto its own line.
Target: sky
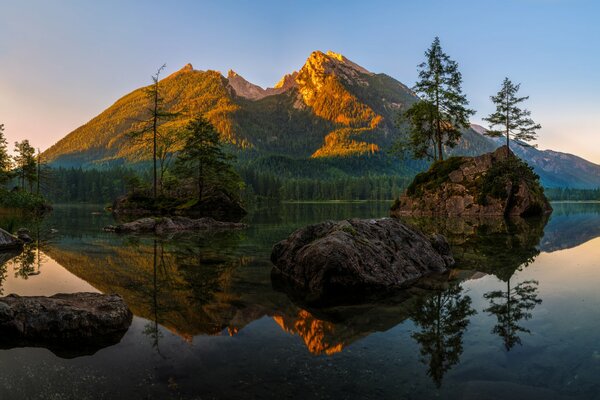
{"x": 62, "y": 62}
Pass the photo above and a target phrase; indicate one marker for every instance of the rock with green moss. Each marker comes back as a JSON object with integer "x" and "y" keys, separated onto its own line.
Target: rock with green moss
{"x": 216, "y": 204}
{"x": 493, "y": 184}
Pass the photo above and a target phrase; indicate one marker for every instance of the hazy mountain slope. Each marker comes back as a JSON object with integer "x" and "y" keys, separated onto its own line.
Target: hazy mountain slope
{"x": 555, "y": 169}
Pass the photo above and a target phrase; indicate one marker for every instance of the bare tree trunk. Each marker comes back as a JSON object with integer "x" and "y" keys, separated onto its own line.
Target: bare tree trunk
{"x": 154, "y": 132}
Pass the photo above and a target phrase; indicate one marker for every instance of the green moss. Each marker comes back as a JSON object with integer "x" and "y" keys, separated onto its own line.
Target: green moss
{"x": 510, "y": 171}
{"x": 349, "y": 229}
{"x": 434, "y": 177}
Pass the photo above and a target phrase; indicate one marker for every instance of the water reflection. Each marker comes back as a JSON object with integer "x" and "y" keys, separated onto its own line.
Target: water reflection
{"x": 196, "y": 286}
{"x": 443, "y": 319}
{"x": 495, "y": 246}
{"x": 511, "y": 306}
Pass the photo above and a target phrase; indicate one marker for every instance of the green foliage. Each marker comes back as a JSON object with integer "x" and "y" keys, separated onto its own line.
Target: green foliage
{"x": 203, "y": 162}
{"x": 77, "y": 185}
{"x": 5, "y": 161}
{"x": 434, "y": 177}
{"x": 437, "y": 119}
{"x": 504, "y": 172}
{"x": 20, "y": 199}
{"x": 513, "y": 121}
{"x": 569, "y": 194}
{"x": 25, "y": 163}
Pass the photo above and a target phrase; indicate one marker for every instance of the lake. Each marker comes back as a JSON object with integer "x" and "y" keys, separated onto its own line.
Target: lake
{"x": 519, "y": 318}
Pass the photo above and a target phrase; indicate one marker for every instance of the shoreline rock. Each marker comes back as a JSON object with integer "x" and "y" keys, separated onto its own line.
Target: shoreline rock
{"x": 160, "y": 225}
{"x": 349, "y": 257}
{"x": 9, "y": 241}
{"x": 492, "y": 184}
{"x": 68, "y": 324}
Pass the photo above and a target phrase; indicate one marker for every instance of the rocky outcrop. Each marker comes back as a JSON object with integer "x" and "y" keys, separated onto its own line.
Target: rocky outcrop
{"x": 8, "y": 241}
{"x": 172, "y": 224}
{"x": 493, "y": 184}
{"x": 215, "y": 204}
{"x": 357, "y": 256}
{"x": 63, "y": 321}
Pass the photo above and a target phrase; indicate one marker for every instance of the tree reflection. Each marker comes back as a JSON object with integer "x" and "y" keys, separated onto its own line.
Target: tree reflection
{"x": 510, "y": 307}
{"x": 151, "y": 329}
{"x": 443, "y": 319}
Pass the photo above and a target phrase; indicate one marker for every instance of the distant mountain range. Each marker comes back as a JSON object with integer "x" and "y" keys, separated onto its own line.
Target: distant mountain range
{"x": 555, "y": 169}
{"x": 330, "y": 113}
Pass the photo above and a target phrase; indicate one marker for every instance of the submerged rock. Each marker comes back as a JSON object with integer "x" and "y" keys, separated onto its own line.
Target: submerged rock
{"x": 493, "y": 184}
{"x": 172, "y": 224}
{"x": 63, "y": 321}
{"x": 358, "y": 255}
{"x": 8, "y": 241}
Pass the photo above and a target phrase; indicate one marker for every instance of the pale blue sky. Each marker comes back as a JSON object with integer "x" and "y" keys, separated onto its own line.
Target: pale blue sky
{"x": 64, "y": 61}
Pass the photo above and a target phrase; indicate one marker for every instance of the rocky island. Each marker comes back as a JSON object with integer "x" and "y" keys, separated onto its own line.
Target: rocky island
{"x": 493, "y": 184}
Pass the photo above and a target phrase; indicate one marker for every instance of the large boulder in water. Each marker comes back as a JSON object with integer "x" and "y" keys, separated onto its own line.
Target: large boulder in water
{"x": 355, "y": 256}
{"x": 8, "y": 241}
{"x": 493, "y": 184}
{"x": 63, "y": 321}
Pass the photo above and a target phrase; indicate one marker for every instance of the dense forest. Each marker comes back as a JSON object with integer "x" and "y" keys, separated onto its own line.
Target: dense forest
{"x": 77, "y": 185}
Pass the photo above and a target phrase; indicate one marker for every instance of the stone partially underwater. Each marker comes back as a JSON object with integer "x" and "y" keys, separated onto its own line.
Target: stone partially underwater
{"x": 357, "y": 256}
{"x": 9, "y": 241}
{"x": 69, "y": 325}
{"x": 493, "y": 184}
{"x": 162, "y": 225}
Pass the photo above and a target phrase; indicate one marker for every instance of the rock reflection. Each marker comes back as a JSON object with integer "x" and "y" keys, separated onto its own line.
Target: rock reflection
{"x": 26, "y": 262}
{"x": 511, "y": 306}
{"x": 443, "y": 319}
{"x": 495, "y": 246}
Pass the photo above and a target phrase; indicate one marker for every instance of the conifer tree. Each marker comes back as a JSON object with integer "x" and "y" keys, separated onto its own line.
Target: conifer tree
{"x": 5, "y": 161}
{"x": 437, "y": 119}
{"x": 514, "y": 121}
{"x": 25, "y": 162}
{"x": 203, "y": 158}
{"x": 149, "y": 131}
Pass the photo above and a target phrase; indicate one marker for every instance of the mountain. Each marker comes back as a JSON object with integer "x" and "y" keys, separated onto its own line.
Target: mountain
{"x": 330, "y": 118}
{"x": 331, "y": 108}
{"x": 555, "y": 169}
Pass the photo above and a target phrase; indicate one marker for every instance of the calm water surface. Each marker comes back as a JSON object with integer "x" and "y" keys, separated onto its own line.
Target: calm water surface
{"x": 519, "y": 318}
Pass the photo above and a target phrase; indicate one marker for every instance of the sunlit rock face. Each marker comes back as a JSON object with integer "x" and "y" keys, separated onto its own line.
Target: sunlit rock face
{"x": 482, "y": 185}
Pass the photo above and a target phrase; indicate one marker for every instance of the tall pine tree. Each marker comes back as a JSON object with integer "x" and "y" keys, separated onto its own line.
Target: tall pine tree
{"x": 25, "y": 162}
{"x": 203, "y": 160}
{"x": 150, "y": 130}
{"x": 5, "y": 161}
{"x": 437, "y": 119}
{"x": 514, "y": 121}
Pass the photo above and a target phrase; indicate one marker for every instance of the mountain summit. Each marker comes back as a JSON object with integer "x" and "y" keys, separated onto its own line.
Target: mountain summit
{"x": 331, "y": 109}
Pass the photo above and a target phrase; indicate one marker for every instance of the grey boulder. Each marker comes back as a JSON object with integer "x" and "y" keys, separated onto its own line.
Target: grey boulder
{"x": 357, "y": 255}
{"x": 67, "y": 323}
